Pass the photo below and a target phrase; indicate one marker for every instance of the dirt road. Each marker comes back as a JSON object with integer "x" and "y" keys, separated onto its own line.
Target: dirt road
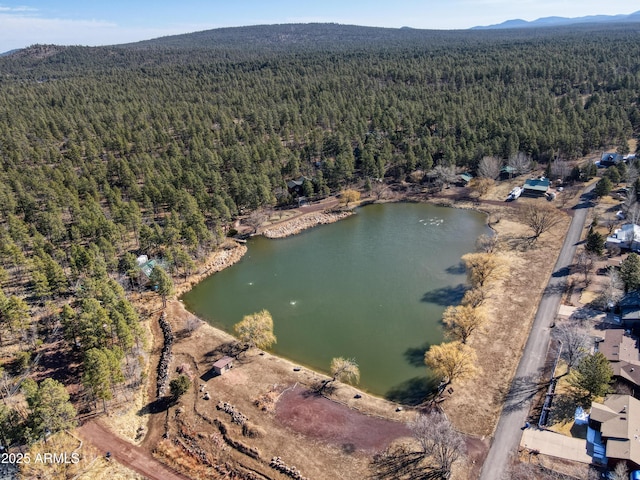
{"x": 523, "y": 387}
{"x": 127, "y": 454}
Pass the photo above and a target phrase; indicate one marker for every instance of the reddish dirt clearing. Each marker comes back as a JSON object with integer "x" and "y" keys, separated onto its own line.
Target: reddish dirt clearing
{"x": 318, "y": 417}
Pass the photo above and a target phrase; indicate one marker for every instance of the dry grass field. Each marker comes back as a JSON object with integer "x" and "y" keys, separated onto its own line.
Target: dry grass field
{"x": 476, "y": 404}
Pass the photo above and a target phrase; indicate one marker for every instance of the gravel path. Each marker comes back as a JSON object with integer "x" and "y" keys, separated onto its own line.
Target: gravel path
{"x": 127, "y": 454}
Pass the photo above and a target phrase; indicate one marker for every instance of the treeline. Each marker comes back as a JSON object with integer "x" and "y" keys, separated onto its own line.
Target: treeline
{"x": 155, "y": 148}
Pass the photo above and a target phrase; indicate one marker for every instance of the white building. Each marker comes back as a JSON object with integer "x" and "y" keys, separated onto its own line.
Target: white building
{"x": 626, "y": 237}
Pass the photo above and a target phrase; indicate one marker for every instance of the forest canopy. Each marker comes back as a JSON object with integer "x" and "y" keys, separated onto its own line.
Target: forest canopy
{"x": 154, "y": 147}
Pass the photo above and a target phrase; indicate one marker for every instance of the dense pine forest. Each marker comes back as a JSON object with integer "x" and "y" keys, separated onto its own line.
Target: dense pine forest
{"x": 156, "y": 147}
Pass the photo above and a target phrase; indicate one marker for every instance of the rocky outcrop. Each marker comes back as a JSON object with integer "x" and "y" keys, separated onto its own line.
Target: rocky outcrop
{"x": 302, "y": 223}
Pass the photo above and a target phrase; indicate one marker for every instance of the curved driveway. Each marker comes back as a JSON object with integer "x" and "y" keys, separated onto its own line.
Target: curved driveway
{"x": 523, "y": 387}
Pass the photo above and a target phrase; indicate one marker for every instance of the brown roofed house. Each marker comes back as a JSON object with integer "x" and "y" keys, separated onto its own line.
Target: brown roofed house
{"x": 618, "y": 420}
{"x": 621, "y": 349}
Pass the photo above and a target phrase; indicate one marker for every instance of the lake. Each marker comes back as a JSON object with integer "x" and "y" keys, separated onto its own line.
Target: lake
{"x": 372, "y": 287}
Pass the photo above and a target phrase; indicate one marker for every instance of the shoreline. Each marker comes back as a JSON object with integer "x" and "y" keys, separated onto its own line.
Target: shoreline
{"x": 304, "y": 222}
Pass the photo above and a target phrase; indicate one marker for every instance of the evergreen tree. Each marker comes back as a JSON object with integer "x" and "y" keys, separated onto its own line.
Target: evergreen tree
{"x": 162, "y": 283}
{"x": 593, "y": 375}
{"x": 595, "y": 242}
{"x": 630, "y": 272}
{"x": 49, "y": 408}
{"x": 603, "y": 187}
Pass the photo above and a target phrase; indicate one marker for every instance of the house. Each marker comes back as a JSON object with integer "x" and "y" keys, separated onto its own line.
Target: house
{"x": 629, "y": 307}
{"x": 464, "y": 178}
{"x": 621, "y": 349}
{"x": 617, "y": 420}
{"x": 295, "y": 186}
{"x": 626, "y": 237}
{"x": 608, "y": 159}
{"x": 147, "y": 267}
{"x": 507, "y": 172}
{"x": 536, "y": 187}
{"x": 223, "y": 365}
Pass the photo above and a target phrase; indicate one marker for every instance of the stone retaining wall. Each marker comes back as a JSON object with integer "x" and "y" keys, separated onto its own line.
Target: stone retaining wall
{"x": 302, "y": 223}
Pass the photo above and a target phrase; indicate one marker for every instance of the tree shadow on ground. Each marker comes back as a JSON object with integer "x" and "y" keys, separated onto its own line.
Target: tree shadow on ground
{"x": 520, "y": 244}
{"x": 320, "y": 388}
{"x": 586, "y": 201}
{"x": 523, "y": 390}
{"x": 230, "y": 349}
{"x": 563, "y": 408}
{"x": 401, "y": 463}
{"x": 562, "y": 272}
{"x": 415, "y": 355}
{"x": 457, "y": 269}
{"x": 414, "y": 391}
{"x": 445, "y": 296}
{"x": 556, "y": 289}
{"x": 159, "y": 405}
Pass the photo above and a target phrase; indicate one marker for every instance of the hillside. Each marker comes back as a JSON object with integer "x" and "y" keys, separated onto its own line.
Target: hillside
{"x": 158, "y": 147}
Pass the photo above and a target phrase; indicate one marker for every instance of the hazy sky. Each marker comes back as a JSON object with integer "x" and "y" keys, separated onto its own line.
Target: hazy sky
{"x": 106, "y": 22}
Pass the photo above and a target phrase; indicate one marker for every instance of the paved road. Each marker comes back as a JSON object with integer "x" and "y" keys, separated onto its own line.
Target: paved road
{"x": 523, "y": 387}
{"x": 132, "y": 456}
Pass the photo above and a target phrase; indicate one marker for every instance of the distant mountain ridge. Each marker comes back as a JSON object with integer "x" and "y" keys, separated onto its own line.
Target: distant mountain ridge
{"x": 562, "y": 21}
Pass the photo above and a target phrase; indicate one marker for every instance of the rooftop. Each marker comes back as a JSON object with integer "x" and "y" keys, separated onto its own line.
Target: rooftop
{"x": 223, "y": 362}
{"x": 541, "y": 184}
{"x": 620, "y": 419}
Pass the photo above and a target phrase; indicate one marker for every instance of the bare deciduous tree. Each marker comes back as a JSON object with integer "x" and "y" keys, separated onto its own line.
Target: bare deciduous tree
{"x": 489, "y": 167}
{"x": 520, "y": 163}
{"x": 611, "y": 291}
{"x": 342, "y": 370}
{"x": 192, "y": 323}
{"x": 443, "y": 175}
{"x": 483, "y": 268}
{"x": 256, "y": 330}
{"x": 632, "y": 174}
{"x": 380, "y": 190}
{"x": 575, "y": 343}
{"x": 255, "y": 219}
{"x": 440, "y": 448}
{"x": 533, "y": 471}
{"x": 540, "y": 219}
{"x": 452, "y": 361}
{"x": 462, "y": 320}
{"x": 441, "y": 445}
{"x": 487, "y": 243}
{"x": 474, "y": 297}
{"x": 586, "y": 263}
{"x": 560, "y": 169}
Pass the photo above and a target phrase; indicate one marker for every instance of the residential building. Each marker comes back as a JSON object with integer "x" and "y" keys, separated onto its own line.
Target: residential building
{"x": 617, "y": 420}
{"x": 621, "y": 349}
{"x": 536, "y": 187}
{"x": 626, "y": 237}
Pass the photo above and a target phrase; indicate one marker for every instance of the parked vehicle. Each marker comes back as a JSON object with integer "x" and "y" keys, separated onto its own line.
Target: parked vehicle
{"x": 514, "y": 194}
